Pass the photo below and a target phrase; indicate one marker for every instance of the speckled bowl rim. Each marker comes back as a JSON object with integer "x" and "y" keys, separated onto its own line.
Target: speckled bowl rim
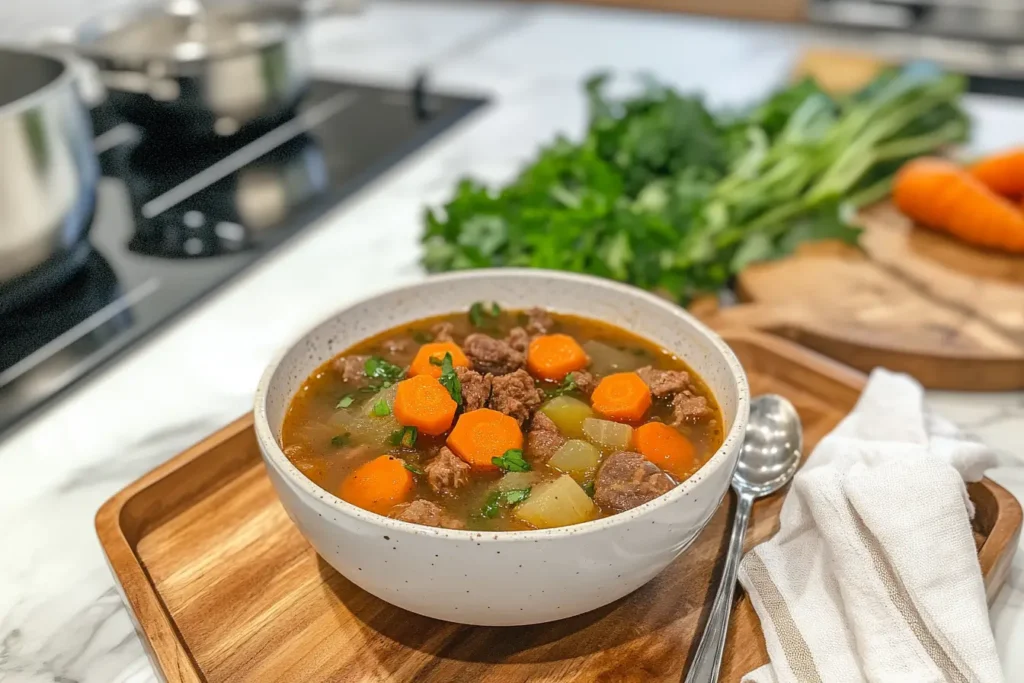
{"x": 265, "y": 434}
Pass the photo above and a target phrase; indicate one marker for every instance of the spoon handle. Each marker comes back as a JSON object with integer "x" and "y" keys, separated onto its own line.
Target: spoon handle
{"x": 708, "y": 660}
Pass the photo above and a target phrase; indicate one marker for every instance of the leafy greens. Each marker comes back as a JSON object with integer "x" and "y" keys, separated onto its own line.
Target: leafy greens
{"x": 664, "y": 194}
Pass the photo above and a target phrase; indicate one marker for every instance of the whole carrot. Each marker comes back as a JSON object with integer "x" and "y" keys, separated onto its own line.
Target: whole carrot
{"x": 1003, "y": 173}
{"x": 939, "y": 194}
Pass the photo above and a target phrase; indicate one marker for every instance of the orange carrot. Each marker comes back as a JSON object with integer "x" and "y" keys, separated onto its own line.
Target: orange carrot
{"x": 1003, "y": 173}
{"x": 553, "y": 356}
{"x": 378, "y": 485}
{"x": 421, "y": 364}
{"x": 941, "y": 195}
{"x": 623, "y": 397}
{"x": 423, "y": 402}
{"x": 480, "y": 435}
{"x": 666, "y": 448}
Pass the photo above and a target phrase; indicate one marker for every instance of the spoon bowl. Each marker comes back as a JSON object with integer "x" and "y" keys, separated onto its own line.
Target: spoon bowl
{"x": 772, "y": 447}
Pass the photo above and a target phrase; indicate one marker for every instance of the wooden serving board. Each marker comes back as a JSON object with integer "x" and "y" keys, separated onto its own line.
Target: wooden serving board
{"x": 911, "y": 299}
{"x": 223, "y": 588}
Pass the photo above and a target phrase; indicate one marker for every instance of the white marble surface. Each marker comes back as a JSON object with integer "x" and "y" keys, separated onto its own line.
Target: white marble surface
{"x": 60, "y": 617}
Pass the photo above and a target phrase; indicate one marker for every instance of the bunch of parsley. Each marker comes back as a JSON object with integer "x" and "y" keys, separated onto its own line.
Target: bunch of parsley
{"x": 666, "y": 195}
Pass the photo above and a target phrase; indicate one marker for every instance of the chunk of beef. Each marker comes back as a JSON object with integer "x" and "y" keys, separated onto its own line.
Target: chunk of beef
{"x": 584, "y": 381}
{"x": 442, "y": 332}
{"x": 515, "y": 395}
{"x": 492, "y": 355}
{"x": 539, "y": 321}
{"x": 664, "y": 382}
{"x": 427, "y": 513}
{"x": 518, "y": 339}
{"x": 476, "y": 388}
{"x": 447, "y": 472}
{"x": 351, "y": 368}
{"x": 687, "y": 408}
{"x": 627, "y": 480}
{"x": 543, "y": 439}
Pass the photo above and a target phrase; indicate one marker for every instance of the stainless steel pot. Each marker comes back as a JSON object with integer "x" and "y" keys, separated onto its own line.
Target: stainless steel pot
{"x": 48, "y": 173}
{"x": 202, "y": 69}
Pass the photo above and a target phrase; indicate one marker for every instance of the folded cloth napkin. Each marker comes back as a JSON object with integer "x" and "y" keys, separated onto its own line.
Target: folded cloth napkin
{"x": 873, "y": 575}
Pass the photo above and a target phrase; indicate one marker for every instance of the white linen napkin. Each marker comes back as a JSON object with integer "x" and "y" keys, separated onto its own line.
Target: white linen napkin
{"x": 873, "y": 575}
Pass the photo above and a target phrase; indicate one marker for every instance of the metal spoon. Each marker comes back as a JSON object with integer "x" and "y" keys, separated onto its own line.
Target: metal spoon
{"x": 768, "y": 460}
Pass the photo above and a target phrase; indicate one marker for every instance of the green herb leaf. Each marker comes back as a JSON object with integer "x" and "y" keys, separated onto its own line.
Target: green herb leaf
{"x": 492, "y": 505}
{"x": 567, "y": 386}
{"x": 588, "y": 487}
{"x": 498, "y": 499}
{"x": 434, "y": 360}
{"x": 346, "y": 401}
{"x": 378, "y": 368}
{"x": 381, "y": 408}
{"x": 341, "y": 440}
{"x": 406, "y": 436}
{"x": 449, "y": 380}
{"x": 512, "y": 461}
{"x": 514, "y": 496}
{"x": 421, "y": 337}
{"x": 483, "y": 315}
{"x": 412, "y": 468}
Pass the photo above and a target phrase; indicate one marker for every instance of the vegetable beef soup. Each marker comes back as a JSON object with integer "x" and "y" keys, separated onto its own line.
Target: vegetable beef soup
{"x": 502, "y": 421}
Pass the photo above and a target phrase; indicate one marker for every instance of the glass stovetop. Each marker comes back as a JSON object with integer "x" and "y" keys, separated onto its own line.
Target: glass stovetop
{"x": 175, "y": 222}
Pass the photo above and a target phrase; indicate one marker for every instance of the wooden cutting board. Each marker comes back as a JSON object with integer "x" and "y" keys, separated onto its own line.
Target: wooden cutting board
{"x": 222, "y": 587}
{"x": 913, "y": 300}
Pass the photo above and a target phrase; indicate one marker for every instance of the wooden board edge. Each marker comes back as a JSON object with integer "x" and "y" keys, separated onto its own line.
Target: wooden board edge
{"x": 996, "y": 555}
{"x": 161, "y": 638}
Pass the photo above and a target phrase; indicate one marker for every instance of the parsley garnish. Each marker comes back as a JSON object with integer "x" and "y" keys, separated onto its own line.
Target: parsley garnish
{"x": 499, "y": 499}
{"x": 412, "y": 468}
{"x": 434, "y": 360}
{"x": 512, "y": 461}
{"x": 406, "y": 436}
{"x": 567, "y": 386}
{"x": 381, "y": 408}
{"x": 482, "y": 315}
{"x": 346, "y": 401}
{"x": 340, "y": 440}
{"x": 449, "y": 380}
{"x": 589, "y": 488}
{"x": 378, "y": 368}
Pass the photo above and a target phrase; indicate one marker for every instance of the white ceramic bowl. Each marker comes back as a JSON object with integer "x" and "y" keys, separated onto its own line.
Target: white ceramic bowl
{"x": 518, "y": 577}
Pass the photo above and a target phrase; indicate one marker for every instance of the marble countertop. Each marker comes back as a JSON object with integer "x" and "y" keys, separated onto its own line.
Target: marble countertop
{"x": 60, "y": 617}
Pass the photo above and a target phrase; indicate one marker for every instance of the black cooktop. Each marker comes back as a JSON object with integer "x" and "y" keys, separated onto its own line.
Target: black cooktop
{"x": 176, "y": 219}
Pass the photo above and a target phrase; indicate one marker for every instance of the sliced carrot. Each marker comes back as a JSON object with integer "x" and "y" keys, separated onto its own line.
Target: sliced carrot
{"x": 665, "y": 447}
{"x": 421, "y": 364}
{"x": 423, "y": 402}
{"x": 480, "y": 435}
{"x": 378, "y": 485}
{"x": 1003, "y": 172}
{"x": 939, "y": 194}
{"x": 553, "y": 356}
{"x": 622, "y": 397}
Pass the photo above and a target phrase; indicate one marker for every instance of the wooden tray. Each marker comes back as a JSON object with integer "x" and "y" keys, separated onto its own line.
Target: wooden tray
{"x": 223, "y": 588}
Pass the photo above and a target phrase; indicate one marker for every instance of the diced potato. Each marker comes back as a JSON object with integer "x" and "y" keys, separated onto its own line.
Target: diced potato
{"x": 387, "y": 394}
{"x": 577, "y": 458}
{"x": 568, "y": 414}
{"x": 517, "y": 480}
{"x": 556, "y": 503}
{"x": 364, "y": 427}
{"x": 607, "y": 435}
{"x": 606, "y": 360}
